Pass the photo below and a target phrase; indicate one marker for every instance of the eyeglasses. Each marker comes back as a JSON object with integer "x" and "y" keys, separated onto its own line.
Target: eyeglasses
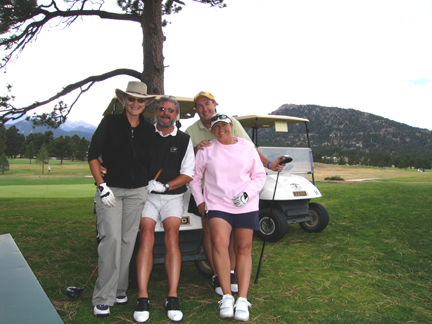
{"x": 163, "y": 109}
{"x": 132, "y": 99}
{"x": 214, "y": 118}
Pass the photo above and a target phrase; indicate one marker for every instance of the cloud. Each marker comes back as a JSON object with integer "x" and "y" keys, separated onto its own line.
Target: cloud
{"x": 419, "y": 81}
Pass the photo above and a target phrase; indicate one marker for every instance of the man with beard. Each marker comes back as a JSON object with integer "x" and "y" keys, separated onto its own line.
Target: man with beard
{"x": 173, "y": 153}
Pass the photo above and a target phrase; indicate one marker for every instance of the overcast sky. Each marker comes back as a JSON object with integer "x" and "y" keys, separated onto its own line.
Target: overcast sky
{"x": 254, "y": 56}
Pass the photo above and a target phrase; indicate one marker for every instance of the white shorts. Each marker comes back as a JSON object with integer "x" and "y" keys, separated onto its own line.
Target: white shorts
{"x": 160, "y": 207}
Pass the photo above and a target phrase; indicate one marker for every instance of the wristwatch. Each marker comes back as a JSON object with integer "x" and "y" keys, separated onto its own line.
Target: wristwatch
{"x": 166, "y": 185}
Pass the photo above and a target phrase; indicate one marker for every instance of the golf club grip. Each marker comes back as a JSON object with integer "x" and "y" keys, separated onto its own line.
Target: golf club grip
{"x": 157, "y": 174}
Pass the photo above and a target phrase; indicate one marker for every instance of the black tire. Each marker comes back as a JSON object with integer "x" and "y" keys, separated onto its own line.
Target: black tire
{"x": 272, "y": 227}
{"x": 320, "y": 219}
{"x": 204, "y": 268}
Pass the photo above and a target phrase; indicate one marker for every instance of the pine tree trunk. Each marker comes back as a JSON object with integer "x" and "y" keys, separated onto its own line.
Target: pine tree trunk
{"x": 151, "y": 24}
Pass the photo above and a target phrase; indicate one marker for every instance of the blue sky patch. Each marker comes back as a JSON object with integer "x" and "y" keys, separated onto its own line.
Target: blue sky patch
{"x": 420, "y": 81}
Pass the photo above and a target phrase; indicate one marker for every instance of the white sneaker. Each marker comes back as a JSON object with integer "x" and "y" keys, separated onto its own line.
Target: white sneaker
{"x": 242, "y": 309}
{"x": 121, "y": 300}
{"x": 101, "y": 310}
{"x": 234, "y": 283}
{"x": 172, "y": 306}
{"x": 226, "y": 306}
{"x": 142, "y": 312}
{"x": 216, "y": 286}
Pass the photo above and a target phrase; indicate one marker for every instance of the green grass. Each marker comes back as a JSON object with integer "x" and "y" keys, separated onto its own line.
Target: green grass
{"x": 372, "y": 264}
{"x": 365, "y": 172}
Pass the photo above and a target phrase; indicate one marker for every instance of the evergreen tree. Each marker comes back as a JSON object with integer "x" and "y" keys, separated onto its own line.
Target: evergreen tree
{"x": 14, "y": 142}
{"x": 342, "y": 161}
{"x": 81, "y": 149}
{"x": 42, "y": 157}
{"x": 61, "y": 147}
{"x": 2, "y": 139}
{"x": 4, "y": 163}
{"x": 30, "y": 151}
{"x": 418, "y": 163}
{"x": 403, "y": 164}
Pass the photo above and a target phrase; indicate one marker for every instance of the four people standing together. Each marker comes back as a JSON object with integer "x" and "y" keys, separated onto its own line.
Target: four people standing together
{"x": 148, "y": 167}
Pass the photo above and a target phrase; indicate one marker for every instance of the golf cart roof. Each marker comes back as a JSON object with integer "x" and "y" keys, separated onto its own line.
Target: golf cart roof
{"x": 267, "y": 121}
{"x": 187, "y": 107}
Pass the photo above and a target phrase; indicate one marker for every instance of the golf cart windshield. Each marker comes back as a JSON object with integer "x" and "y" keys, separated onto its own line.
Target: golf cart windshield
{"x": 187, "y": 108}
{"x": 302, "y": 158}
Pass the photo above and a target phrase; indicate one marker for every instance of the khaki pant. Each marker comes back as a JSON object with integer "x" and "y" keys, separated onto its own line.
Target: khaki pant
{"x": 117, "y": 229}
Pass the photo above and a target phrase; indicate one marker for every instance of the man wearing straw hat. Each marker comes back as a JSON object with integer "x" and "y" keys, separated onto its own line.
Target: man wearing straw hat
{"x": 124, "y": 142}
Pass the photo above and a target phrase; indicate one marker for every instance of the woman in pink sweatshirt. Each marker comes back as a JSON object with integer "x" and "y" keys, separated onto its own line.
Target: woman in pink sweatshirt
{"x": 234, "y": 176}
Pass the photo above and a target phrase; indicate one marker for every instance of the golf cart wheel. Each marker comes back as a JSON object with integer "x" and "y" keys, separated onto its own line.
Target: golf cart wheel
{"x": 272, "y": 227}
{"x": 204, "y": 268}
{"x": 320, "y": 219}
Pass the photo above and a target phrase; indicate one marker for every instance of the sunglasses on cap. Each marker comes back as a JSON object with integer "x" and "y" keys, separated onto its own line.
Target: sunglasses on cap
{"x": 132, "y": 99}
{"x": 214, "y": 118}
{"x": 163, "y": 109}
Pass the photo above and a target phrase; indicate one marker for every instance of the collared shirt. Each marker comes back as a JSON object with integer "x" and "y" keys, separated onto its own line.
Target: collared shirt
{"x": 188, "y": 162}
{"x": 198, "y": 132}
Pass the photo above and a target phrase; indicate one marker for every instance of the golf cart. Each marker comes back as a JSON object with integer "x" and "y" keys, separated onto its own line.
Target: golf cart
{"x": 286, "y": 197}
{"x": 190, "y": 235}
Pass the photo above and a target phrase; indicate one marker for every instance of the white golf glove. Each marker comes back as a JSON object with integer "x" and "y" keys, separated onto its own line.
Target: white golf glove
{"x": 106, "y": 195}
{"x": 241, "y": 199}
{"x": 155, "y": 186}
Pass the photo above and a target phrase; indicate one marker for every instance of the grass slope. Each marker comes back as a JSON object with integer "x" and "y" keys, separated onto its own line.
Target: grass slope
{"x": 370, "y": 265}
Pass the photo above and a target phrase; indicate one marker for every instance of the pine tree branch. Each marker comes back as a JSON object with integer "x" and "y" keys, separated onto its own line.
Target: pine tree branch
{"x": 21, "y": 37}
{"x": 8, "y": 112}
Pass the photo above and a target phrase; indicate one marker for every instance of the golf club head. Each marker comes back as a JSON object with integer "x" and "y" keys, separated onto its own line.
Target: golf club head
{"x": 285, "y": 159}
{"x": 74, "y": 292}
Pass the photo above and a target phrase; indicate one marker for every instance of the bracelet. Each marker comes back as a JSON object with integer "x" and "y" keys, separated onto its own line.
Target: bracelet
{"x": 268, "y": 164}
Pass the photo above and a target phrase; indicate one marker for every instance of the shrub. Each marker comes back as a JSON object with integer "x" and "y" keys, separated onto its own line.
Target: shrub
{"x": 334, "y": 178}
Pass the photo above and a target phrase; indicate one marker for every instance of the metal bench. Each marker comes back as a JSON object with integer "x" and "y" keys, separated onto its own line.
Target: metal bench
{"x": 22, "y": 298}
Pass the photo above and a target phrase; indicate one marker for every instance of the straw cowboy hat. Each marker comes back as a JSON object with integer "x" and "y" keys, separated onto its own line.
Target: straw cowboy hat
{"x": 135, "y": 89}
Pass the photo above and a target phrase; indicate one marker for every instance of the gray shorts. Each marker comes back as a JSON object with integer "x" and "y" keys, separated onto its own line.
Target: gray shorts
{"x": 160, "y": 207}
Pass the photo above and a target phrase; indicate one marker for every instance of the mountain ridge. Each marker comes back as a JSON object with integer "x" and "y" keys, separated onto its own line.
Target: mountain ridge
{"x": 349, "y": 131}
{"x": 80, "y": 128}
{"x": 344, "y": 131}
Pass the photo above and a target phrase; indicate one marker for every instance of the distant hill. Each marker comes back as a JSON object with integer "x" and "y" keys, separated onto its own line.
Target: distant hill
{"x": 332, "y": 130}
{"x": 80, "y": 128}
{"x": 349, "y": 131}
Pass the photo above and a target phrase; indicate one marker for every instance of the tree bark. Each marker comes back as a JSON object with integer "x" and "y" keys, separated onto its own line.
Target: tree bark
{"x": 151, "y": 24}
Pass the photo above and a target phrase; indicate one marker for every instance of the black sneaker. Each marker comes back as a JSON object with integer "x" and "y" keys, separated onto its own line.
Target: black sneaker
{"x": 234, "y": 283}
{"x": 216, "y": 286}
{"x": 172, "y": 306}
{"x": 101, "y": 310}
{"x": 142, "y": 312}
